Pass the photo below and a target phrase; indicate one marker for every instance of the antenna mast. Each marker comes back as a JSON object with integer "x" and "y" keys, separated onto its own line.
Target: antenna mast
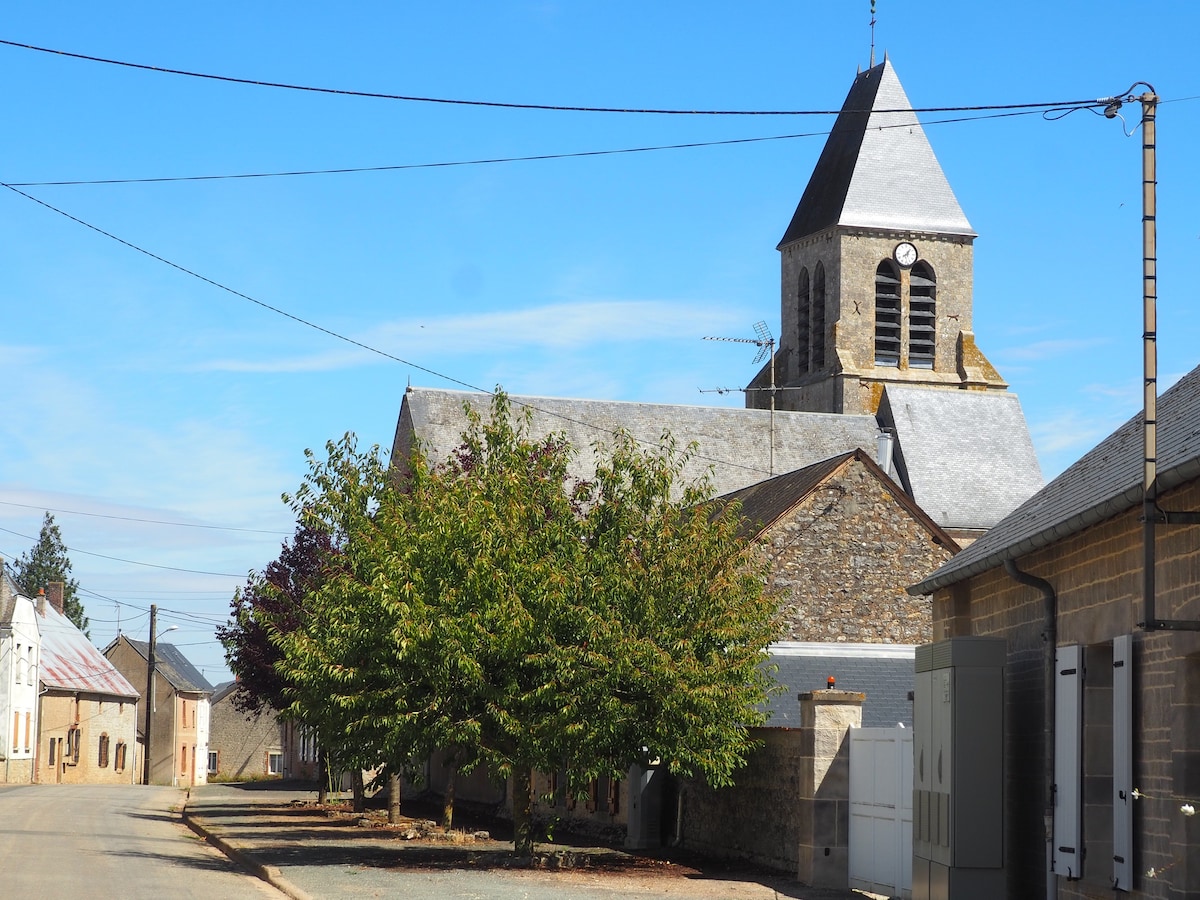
{"x": 766, "y": 348}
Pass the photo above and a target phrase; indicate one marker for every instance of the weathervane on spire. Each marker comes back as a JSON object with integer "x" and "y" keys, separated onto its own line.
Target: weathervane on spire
{"x": 872, "y": 34}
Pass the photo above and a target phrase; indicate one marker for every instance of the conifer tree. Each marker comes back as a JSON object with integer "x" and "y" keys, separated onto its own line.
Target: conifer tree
{"x": 45, "y": 563}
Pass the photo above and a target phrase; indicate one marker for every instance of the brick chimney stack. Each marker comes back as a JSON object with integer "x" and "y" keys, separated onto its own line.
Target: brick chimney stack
{"x": 54, "y": 593}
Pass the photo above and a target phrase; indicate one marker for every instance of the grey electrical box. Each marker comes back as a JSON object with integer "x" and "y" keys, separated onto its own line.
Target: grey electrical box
{"x": 958, "y": 770}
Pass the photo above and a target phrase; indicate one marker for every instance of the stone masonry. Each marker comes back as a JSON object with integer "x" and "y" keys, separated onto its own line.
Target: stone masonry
{"x": 841, "y": 560}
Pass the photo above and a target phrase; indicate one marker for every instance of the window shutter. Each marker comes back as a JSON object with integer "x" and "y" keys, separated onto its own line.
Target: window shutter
{"x": 1067, "y": 856}
{"x": 1122, "y": 751}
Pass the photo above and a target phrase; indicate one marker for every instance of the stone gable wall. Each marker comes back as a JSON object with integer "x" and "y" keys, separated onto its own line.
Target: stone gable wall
{"x": 842, "y": 560}
{"x": 242, "y": 742}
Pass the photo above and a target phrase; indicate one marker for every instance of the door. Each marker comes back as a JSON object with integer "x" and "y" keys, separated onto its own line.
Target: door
{"x": 881, "y": 813}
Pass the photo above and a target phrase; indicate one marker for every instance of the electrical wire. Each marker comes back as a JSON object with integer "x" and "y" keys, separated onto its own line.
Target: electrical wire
{"x": 411, "y": 98}
{"x": 132, "y": 562}
{"x": 539, "y": 157}
{"x": 76, "y": 512}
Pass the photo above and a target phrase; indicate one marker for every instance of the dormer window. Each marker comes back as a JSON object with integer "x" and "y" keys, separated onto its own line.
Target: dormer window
{"x": 887, "y": 314}
{"x": 922, "y": 316}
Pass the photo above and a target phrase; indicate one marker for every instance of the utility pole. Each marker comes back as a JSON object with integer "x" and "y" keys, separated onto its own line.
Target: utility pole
{"x": 149, "y": 694}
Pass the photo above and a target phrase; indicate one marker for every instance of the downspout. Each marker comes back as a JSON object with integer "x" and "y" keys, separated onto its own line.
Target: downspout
{"x": 1050, "y": 640}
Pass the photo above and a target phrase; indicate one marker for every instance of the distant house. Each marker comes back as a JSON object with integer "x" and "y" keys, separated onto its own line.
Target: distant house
{"x": 248, "y": 745}
{"x": 20, "y": 652}
{"x": 179, "y": 705}
{"x": 87, "y": 711}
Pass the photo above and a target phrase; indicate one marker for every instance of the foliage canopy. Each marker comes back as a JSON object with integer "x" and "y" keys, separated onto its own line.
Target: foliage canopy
{"x": 47, "y": 562}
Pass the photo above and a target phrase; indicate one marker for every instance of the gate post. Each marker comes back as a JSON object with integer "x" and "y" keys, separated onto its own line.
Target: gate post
{"x": 825, "y": 717}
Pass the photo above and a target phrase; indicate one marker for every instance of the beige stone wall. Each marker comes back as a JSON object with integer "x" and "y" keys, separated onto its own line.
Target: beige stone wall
{"x": 1097, "y": 578}
{"x": 242, "y": 742}
{"x": 841, "y": 563}
{"x": 94, "y": 717}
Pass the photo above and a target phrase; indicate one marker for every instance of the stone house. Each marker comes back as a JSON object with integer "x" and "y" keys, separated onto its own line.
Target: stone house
{"x": 1102, "y": 697}
{"x": 20, "y": 652}
{"x": 87, "y": 731}
{"x": 179, "y": 705}
{"x": 247, "y": 745}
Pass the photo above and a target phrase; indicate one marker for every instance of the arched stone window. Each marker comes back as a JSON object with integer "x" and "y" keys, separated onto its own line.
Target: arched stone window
{"x": 803, "y": 305}
{"x": 818, "y": 319}
{"x": 922, "y": 316}
{"x": 887, "y": 314}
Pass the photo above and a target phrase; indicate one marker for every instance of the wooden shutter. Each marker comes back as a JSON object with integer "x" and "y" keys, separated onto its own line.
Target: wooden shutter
{"x": 1067, "y": 856}
{"x": 1122, "y": 735}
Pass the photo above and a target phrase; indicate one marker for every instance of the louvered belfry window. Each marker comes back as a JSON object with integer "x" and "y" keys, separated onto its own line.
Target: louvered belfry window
{"x": 818, "y": 319}
{"x": 922, "y": 316}
{"x": 803, "y": 304}
{"x": 887, "y": 314}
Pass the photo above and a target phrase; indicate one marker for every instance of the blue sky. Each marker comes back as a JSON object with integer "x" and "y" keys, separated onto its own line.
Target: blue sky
{"x": 135, "y": 391}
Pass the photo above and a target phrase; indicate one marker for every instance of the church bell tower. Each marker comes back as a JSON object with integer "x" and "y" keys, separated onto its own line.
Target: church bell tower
{"x": 877, "y": 268}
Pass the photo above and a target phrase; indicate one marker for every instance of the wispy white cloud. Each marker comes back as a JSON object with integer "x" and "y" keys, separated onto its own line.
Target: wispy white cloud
{"x": 1050, "y": 349}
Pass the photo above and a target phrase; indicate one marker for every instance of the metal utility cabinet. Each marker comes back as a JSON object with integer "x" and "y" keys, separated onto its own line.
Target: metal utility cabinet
{"x": 958, "y": 770}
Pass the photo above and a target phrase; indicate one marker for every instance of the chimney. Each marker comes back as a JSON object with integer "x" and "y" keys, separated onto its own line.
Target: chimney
{"x": 41, "y": 602}
{"x": 54, "y": 593}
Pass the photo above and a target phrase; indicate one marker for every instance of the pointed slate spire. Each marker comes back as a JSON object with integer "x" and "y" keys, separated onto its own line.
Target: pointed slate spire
{"x": 877, "y": 169}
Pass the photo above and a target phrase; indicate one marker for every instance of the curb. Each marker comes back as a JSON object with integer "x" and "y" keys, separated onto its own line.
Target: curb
{"x": 270, "y": 874}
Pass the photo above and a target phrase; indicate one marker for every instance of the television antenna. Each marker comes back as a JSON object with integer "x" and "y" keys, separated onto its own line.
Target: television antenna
{"x": 766, "y": 348}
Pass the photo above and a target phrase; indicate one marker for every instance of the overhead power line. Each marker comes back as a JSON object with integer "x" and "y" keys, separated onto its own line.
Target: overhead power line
{"x": 582, "y": 154}
{"x": 76, "y": 512}
{"x": 413, "y": 98}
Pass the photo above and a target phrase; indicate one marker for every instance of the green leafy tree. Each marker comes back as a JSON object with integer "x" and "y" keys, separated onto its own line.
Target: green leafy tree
{"x": 493, "y": 606}
{"x": 47, "y": 562}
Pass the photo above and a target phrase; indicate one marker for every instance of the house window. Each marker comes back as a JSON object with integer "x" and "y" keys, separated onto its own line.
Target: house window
{"x": 119, "y": 757}
{"x": 52, "y": 755}
{"x": 183, "y": 760}
{"x": 803, "y": 306}
{"x": 16, "y": 731}
{"x": 102, "y": 755}
{"x": 887, "y": 314}
{"x": 20, "y": 678}
{"x": 214, "y": 761}
{"x": 922, "y": 316}
{"x": 274, "y": 763}
{"x": 72, "y": 755}
{"x": 818, "y": 319}
{"x": 28, "y": 732}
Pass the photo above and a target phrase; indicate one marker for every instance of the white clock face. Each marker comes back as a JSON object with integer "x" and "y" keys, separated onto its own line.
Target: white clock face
{"x": 906, "y": 254}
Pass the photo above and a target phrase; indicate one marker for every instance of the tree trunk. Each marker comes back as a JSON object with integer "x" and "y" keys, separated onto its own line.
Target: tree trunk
{"x": 360, "y": 793}
{"x": 523, "y": 811}
{"x": 393, "y": 798}
{"x": 322, "y": 777}
{"x": 448, "y": 800}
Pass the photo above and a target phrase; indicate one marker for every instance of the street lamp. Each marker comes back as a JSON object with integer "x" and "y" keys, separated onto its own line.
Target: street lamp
{"x": 150, "y": 690}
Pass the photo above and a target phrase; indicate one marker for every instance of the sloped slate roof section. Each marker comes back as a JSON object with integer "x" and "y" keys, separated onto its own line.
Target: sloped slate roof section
{"x": 1107, "y": 481}
{"x": 966, "y": 456}
{"x": 734, "y": 442}
{"x": 170, "y": 662}
{"x": 877, "y": 169}
{"x": 884, "y": 672}
{"x": 69, "y": 662}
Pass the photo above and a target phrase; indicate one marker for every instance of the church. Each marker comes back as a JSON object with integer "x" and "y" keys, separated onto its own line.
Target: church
{"x": 877, "y": 351}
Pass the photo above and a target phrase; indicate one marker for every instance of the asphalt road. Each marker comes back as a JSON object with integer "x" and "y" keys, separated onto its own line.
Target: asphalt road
{"x": 119, "y": 841}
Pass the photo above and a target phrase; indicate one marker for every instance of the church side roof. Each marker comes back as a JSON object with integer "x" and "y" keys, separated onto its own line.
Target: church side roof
{"x": 734, "y": 442}
{"x": 966, "y": 456}
{"x": 877, "y": 169}
{"x": 1105, "y": 482}
{"x": 886, "y": 673}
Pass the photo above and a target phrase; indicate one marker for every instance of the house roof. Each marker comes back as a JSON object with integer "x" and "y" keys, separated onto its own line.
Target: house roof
{"x": 765, "y": 503}
{"x": 734, "y": 442}
{"x": 69, "y": 662}
{"x": 170, "y": 662}
{"x": 1107, "y": 481}
{"x": 877, "y": 169}
{"x": 965, "y": 456}
{"x": 884, "y": 672}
